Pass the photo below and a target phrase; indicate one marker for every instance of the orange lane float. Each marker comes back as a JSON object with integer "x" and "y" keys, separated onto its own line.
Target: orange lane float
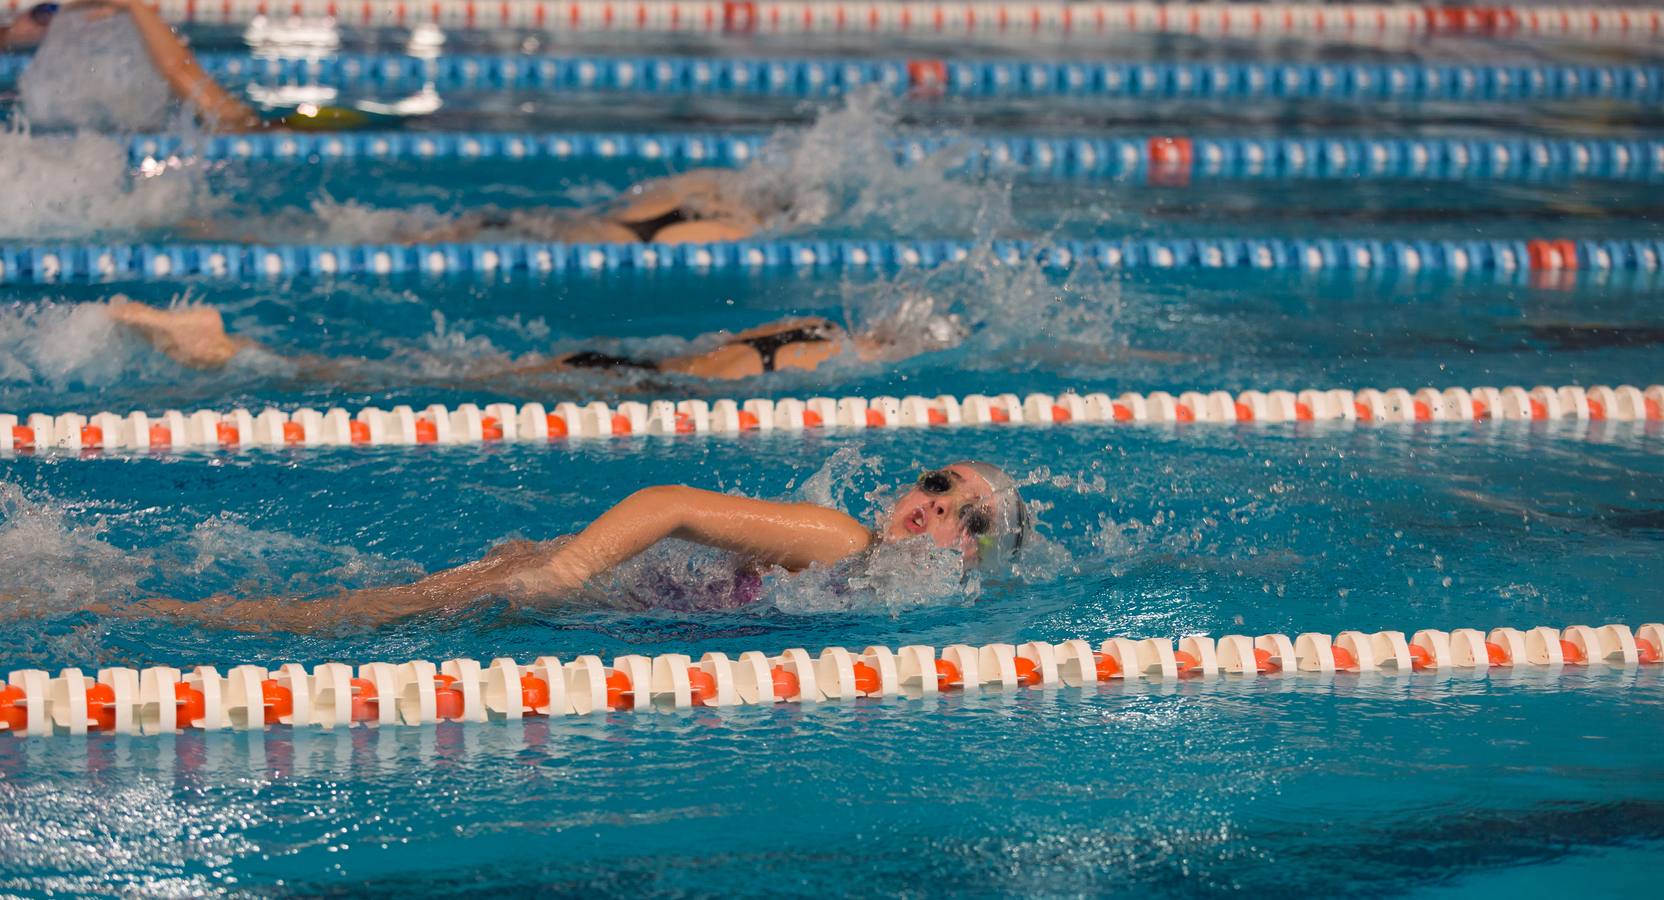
{"x": 163, "y": 700}
{"x": 468, "y": 423}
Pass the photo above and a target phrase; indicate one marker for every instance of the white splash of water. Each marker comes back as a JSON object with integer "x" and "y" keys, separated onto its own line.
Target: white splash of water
{"x": 93, "y": 72}
{"x": 57, "y": 345}
{"x": 223, "y": 554}
{"x": 76, "y": 186}
{"x": 352, "y": 222}
{"x": 49, "y": 564}
{"x": 842, "y": 173}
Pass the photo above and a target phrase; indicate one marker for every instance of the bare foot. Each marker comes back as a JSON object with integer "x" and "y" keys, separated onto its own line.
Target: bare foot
{"x": 192, "y": 335}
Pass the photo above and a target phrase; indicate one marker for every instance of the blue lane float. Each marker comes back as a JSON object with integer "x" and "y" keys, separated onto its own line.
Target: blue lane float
{"x": 812, "y": 78}
{"x": 169, "y": 262}
{"x": 1524, "y": 159}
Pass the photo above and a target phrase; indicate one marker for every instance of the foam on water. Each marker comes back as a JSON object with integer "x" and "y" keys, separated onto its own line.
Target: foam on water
{"x": 841, "y": 174}
{"x": 77, "y": 186}
{"x": 92, "y": 71}
{"x": 54, "y": 560}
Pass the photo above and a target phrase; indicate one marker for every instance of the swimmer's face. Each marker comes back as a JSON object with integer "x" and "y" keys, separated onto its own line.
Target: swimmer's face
{"x": 950, "y": 505}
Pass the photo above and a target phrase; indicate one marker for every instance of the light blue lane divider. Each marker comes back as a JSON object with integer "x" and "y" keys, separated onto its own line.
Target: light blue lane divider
{"x": 164, "y": 262}
{"x": 1459, "y": 159}
{"x": 959, "y": 78}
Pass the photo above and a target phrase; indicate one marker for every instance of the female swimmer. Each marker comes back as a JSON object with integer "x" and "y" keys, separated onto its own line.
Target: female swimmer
{"x": 971, "y": 507}
{"x": 195, "y": 336}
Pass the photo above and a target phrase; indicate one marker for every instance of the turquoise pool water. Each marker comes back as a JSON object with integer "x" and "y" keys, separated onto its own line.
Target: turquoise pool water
{"x": 1536, "y": 781}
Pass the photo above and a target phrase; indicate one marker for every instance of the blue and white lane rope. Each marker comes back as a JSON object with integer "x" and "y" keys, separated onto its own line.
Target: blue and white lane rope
{"x": 163, "y": 700}
{"x": 49, "y": 263}
{"x": 811, "y": 78}
{"x": 1159, "y": 158}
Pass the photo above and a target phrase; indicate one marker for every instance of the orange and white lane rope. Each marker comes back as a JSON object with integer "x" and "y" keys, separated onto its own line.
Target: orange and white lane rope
{"x": 164, "y": 700}
{"x": 532, "y": 422}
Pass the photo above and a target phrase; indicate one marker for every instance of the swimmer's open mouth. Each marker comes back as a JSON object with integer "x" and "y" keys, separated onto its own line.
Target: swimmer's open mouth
{"x": 915, "y": 522}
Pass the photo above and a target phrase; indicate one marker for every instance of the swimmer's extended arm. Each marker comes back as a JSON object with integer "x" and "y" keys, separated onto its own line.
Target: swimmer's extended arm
{"x": 791, "y": 535}
{"x": 178, "y": 66}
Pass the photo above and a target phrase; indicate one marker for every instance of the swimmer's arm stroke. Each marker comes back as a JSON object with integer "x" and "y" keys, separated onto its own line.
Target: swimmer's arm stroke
{"x": 178, "y": 66}
{"x": 793, "y": 536}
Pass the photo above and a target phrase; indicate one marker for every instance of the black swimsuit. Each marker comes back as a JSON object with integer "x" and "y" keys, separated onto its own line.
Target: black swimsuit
{"x": 767, "y": 347}
{"x": 648, "y": 229}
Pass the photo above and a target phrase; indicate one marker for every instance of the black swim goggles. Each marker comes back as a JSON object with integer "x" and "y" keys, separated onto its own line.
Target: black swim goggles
{"x": 975, "y": 520}
{"x": 41, "y": 13}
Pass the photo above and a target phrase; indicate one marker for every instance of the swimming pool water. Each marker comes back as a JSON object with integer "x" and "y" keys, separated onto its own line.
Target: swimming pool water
{"x": 1534, "y": 782}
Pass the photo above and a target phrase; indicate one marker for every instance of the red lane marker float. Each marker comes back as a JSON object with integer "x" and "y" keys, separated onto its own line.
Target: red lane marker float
{"x": 875, "y": 419}
{"x": 748, "y": 421}
{"x": 293, "y": 433}
{"x": 618, "y": 688}
{"x": 1060, "y": 414}
{"x": 812, "y": 419}
{"x": 366, "y": 702}
{"x": 101, "y": 707}
{"x": 426, "y": 431}
{"x": 23, "y": 437}
{"x": 491, "y": 429}
{"x": 557, "y": 426}
{"x": 193, "y": 707}
{"x": 927, "y": 76}
{"x": 534, "y": 694}
{"x": 226, "y": 433}
{"x": 447, "y": 700}
{"x": 1168, "y": 160}
{"x": 948, "y": 675}
{"x": 278, "y": 700}
{"x": 14, "y": 711}
{"x": 1419, "y": 658}
{"x": 786, "y": 683}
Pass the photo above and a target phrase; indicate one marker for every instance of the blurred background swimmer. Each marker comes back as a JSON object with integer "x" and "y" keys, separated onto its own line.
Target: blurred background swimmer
{"x": 968, "y": 509}
{"x": 217, "y": 110}
{"x": 195, "y": 336}
{"x": 28, "y": 28}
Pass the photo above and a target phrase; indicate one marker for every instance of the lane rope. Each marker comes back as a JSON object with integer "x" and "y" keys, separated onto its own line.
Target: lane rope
{"x": 818, "y": 78}
{"x": 952, "y": 20}
{"x": 468, "y": 423}
{"x": 166, "y": 700}
{"x": 51, "y": 263}
{"x": 1158, "y": 159}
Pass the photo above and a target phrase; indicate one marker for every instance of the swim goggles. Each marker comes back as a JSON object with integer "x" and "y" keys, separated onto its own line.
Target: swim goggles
{"x": 41, "y": 13}
{"x": 996, "y": 546}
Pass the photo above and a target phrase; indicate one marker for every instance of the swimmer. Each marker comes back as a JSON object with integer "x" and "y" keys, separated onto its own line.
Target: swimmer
{"x": 970, "y": 507}
{"x": 699, "y": 206}
{"x": 173, "y": 60}
{"x": 195, "y": 337}
{"x": 28, "y": 28}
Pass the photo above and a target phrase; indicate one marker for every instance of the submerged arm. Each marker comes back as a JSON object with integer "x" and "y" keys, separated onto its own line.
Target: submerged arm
{"x": 178, "y": 66}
